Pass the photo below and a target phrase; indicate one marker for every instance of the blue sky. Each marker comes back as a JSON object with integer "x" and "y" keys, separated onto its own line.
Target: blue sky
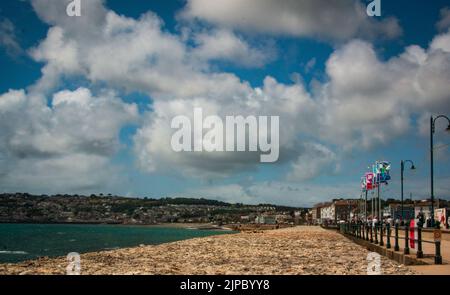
{"x": 137, "y": 62}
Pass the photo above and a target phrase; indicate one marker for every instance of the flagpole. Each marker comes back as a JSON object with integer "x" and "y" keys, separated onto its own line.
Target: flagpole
{"x": 379, "y": 200}
{"x": 365, "y": 207}
{"x": 373, "y": 205}
{"x": 375, "y": 199}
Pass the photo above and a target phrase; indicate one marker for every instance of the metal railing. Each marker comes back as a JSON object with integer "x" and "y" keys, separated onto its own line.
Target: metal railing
{"x": 378, "y": 233}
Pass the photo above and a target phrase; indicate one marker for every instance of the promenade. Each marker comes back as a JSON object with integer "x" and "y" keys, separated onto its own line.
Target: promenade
{"x": 428, "y": 251}
{"x": 298, "y": 250}
{"x": 421, "y": 265}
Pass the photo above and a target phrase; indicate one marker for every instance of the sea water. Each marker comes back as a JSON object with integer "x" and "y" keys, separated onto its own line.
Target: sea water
{"x": 19, "y": 242}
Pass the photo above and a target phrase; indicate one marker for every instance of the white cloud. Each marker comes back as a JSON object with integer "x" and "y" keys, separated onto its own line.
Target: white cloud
{"x": 8, "y": 39}
{"x": 316, "y": 159}
{"x": 329, "y": 20}
{"x": 227, "y": 46}
{"x": 61, "y": 58}
{"x": 444, "y": 22}
{"x": 291, "y": 103}
{"x": 365, "y": 101}
{"x": 62, "y": 147}
{"x": 368, "y": 101}
{"x": 53, "y": 12}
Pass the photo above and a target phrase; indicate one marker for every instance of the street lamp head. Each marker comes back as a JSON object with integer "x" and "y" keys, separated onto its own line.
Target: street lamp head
{"x": 448, "y": 128}
{"x": 413, "y": 167}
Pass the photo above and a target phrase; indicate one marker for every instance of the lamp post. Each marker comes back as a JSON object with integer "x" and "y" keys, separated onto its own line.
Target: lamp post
{"x": 402, "y": 169}
{"x": 432, "y": 131}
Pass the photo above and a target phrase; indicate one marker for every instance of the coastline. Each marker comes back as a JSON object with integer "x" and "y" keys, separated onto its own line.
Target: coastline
{"x": 199, "y": 226}
{"x": 296, "y": 250}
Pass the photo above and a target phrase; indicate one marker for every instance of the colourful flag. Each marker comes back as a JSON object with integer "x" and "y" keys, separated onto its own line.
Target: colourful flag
{"x": 369, "y": 181}
{"x": 381, "y": 171}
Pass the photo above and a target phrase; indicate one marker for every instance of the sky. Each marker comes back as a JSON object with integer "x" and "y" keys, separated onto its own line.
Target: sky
{"x": 86, "y": 102}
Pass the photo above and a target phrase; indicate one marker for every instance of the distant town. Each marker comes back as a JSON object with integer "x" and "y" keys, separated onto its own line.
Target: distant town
{"x": 109, "y": 209}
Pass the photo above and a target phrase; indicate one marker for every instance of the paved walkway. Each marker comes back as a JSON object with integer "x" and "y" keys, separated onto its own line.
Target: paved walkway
{"x": 429, "y": 251}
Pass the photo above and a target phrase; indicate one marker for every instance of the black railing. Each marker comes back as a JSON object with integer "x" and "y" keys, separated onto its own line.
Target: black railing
{"x": 377, "y": 233}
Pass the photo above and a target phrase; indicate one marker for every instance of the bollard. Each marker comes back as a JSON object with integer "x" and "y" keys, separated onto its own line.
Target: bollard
{"x": 396, "y": 247}
{"x": 381, "y": 235}
{"x": 438, "y": 257}
{"x": 376, "y": 234}
{"x": 419, "y": 242}
{"x": 388, "y": 236}
{"x": 406, "y": 250}
{"x": 367, "y": 232}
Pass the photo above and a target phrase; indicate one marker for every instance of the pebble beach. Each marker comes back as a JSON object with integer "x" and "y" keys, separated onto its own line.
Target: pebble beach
{"x": 289, "y": 251}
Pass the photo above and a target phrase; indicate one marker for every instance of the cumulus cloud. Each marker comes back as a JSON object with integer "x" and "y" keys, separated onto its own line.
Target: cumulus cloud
{"x": 8, "y": 39}
{"x": 61, "y": 58}
{"x": 368, "y": 101}
{"x": 315, "y": 159}
{"x": 53, "y": 12}
{"x": 66, "y": 145}
{"x": 224, "y": 45}
{"x": 444, "y": 22}
{"x": 364, "y": 101}
{"x": 135, "y": 55}
{"x": 291, "y": 103}
{"x": 329, "y": 20}
{"x": 359, "y": 104}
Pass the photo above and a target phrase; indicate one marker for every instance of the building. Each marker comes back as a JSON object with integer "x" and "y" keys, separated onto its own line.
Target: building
{"x": 265, "y": 219}
{"x": 316, "y": 212}
{"x": 335, "y": 211}
{"x": 344, "y": 209}
{"x": 394, "y": 210}
{"x": 442, "y": 215}
{"x": 327, "y": 213}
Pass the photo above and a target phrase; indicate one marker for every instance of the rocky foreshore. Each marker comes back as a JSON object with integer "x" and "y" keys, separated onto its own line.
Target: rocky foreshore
{"x": 298, "y": 250}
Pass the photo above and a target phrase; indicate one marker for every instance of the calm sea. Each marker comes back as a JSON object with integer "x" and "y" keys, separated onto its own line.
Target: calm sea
{"x": 19, "y": 242}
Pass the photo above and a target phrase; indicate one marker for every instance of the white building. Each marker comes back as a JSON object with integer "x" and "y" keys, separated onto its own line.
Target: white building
{"x": 328, "y": 213}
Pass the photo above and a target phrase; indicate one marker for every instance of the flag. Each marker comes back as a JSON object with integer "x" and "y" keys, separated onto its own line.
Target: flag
{"x": 369, "y": 181}
{"x": 413, "y": 236}
{"x": 381, "y": 171}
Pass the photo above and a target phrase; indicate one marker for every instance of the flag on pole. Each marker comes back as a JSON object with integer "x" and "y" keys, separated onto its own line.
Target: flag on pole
{"x": 370, "y": 185}
{"x": 381, "y": 171}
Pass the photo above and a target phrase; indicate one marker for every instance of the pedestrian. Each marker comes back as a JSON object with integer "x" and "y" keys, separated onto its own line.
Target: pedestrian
{"x": 389, "y": 220}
